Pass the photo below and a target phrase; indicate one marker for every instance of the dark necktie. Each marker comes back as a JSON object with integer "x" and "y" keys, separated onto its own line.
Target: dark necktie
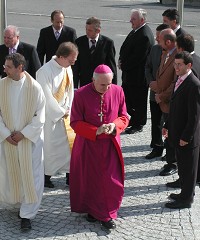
{"x": 92, "y": 48}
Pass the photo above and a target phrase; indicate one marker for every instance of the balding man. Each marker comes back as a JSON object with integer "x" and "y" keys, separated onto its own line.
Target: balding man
{"x": 12, "y": 44}
{"x": 163, "y": 87}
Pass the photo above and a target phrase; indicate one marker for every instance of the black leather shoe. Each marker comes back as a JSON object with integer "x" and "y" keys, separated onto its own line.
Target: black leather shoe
{"x": 133, "y": 130}
{"x": 175, "y": 196}
{"x": 168, "y": 170}
{"x": 67, "y": 179}
{"x": 175, "y": 184}
{"x": 25, "y": 224}
{"x": 163, "y": 158}
{"x": 109, "y": 225}
{"x": 178, "y": 205}
{"x": 90, "y": 218}
{"x": 49, "y": 184}
{"x": 153, "y": 154}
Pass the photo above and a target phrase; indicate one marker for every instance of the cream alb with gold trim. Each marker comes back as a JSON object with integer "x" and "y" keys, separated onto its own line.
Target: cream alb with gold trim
{"x": 22, "y": 107}
{"x": 56, "y": 145}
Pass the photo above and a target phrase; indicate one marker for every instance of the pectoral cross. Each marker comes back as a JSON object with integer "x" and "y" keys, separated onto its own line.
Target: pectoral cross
{"x": 101, "y": 116}
{"x": 101, "y": 110}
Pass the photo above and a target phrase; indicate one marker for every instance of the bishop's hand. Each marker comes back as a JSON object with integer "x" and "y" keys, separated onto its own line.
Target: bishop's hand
{"x": 110, "y": 128}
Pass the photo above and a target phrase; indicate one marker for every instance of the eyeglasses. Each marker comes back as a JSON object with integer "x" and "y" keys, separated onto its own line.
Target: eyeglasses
{"x": 178, "y": 64}
{"x": 6, "y": 66}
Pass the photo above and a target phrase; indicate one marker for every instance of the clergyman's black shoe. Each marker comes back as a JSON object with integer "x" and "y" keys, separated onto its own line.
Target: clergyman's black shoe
{"x": 153, "y": 154}
{"x": 133, "y": 130}
{"x": 175, "y": 184}
{"x": 109, "y": 225}
{"x": 49, "y": 184}
{"x": 25, "y": 224}
{"x": 168, "y": 170}
{"x": 90, "y": 218}
{"x": 178, "y": 204}
{"x": 175, "y": 196}
{"x": 67, "y": 179}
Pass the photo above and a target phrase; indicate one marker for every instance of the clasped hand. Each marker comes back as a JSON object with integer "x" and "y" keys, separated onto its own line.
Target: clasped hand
{"x": 106, "y": 128}
{"x": 15, "y": 137}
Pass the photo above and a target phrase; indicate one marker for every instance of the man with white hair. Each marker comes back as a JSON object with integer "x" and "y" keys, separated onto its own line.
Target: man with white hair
{"x": 12, "y": 44}
{"x": 98, "y": 116}
{"x": 132, "y": 59}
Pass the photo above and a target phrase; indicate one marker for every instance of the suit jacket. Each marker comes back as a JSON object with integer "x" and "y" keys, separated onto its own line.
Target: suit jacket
{"x": 180, "y": 31}
{"x": 47, "y": 44}
{"x": 196, "y": 65}
{"x": 133, "y": 55}
{"x": 152, "y": 65}
{"x": 165, "y": 80}
{"x": 30, "y": 54}
{"x": 86, "y": 62}
{"x": 184, "y": 115}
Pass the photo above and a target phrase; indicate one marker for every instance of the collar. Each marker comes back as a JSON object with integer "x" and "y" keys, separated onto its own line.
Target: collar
{"x": 54, "y": 30}
{"x": 97, "y": 38}
{"x": 177, "y": 28}
{"x": 16, "y": 46}
{"x": 183, "y": 77}
{"x": 140, "y": 27}
{"x": 171, "y": 51}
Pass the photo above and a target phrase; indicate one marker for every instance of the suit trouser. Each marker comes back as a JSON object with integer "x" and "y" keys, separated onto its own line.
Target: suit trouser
{"x": 170, "y": 150}
{"x": 156, "y": 124}
{"x": 136, "y": 103}
{"x": 187, "y": 160}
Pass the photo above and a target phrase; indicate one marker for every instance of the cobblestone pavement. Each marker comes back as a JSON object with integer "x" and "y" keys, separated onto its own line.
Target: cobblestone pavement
{"x": 141, "y": 216}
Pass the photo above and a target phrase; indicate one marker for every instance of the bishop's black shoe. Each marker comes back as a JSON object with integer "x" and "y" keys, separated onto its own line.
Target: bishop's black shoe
{"x": 109, "y": 225}
{"x": 90, "y": 218}
{"x": 67, "y": 179}
{"x": 25, "y": 224}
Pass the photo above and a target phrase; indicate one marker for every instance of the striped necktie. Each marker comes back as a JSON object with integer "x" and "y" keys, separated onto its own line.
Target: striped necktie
{"x": 92, "y": 48}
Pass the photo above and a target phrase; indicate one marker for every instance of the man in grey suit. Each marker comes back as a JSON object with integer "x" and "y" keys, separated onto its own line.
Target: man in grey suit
{"x": 12, "y": 44}
{"x": 52, "y": 36}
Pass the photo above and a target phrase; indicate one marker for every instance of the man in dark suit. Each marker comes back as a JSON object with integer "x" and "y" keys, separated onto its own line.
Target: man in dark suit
{"x": 185, "y": 42}
{"x": 172, "y": 18}
{"x": 94, "y": 49}
{"x": 12, "y": 44}
{"x": 184, "y": 129}
{"x": 132, "y": 59}
{"x": 52, "y": 36}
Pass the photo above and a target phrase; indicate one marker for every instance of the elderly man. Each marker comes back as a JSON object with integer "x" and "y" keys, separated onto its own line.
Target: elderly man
{"x": 132, "y": 59}
{"x": 22, "y": 116}
{"x": 98, "y": 116}
{"x": 12, "y": 44}
{"x": 56, "y": 79}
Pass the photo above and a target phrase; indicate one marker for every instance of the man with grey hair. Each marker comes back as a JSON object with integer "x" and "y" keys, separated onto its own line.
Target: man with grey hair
{"x": 12, "y": 44}
{"x": 94, "y": 49}
{"x": 132, "y": 59}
